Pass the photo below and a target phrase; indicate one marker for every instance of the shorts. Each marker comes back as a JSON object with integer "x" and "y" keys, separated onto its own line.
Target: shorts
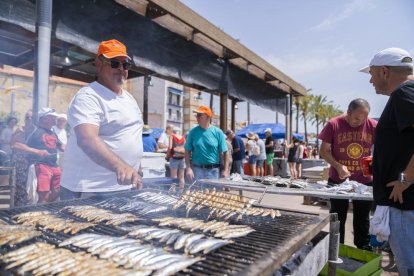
{"x": 269, "y": 158}
{"x": 260, "y": 163}
{"x": 48, "y": 178}
{"x": 177, "y": 164}
{"x": 299, "y": 161}
{"x": 292, "y": 159}
{"x": 252, "y": 159}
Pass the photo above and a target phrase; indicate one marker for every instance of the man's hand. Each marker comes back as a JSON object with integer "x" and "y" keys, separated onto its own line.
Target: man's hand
{"x": 397, "y": 191}
{"x": 190, "y": 175}
{"x": 127, "y": 175}
{"x": 343, "y": 172}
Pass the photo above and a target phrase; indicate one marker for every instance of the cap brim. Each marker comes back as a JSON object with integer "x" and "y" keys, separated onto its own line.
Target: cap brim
{"x": 114, "y": 55}
{"x": 364, "y": 70}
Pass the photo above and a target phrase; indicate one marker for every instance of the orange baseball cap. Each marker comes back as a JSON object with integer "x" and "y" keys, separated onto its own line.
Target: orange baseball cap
{"x": 112, "y": 48}
{"x": 204, "y": 109}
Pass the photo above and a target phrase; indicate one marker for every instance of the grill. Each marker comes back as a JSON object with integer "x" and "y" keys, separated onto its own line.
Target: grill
{"x": 260, "y": 252}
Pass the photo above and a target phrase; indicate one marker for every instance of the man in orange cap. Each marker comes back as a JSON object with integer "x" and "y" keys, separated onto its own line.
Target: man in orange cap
{"x": 104, "y": 152}
{"x": 205, "y": 143}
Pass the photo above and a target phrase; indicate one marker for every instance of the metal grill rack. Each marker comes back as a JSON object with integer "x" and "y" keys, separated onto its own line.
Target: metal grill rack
{"x": 260, "y": 252}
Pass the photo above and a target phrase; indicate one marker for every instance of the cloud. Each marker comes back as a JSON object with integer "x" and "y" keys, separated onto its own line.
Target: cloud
{"x": 305, "y": 63}
{"x": 352, "y": 8}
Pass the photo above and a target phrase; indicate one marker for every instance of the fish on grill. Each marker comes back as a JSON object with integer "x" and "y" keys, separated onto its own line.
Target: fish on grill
{"x": 222, "y": 205}
{"x": 97, "y": 215}
{"x": 14, "y": 234}
{"x": 46, "y": 259}
{"x": 213, "y": 226}
{"x": 130, "y": 253}
{"x": 47, "y": 220}
{"x": 179, "y": 240}
{"x": 159, "y": 198}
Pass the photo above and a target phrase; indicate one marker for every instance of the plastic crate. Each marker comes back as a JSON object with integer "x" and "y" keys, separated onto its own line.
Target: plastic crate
{"x": 371, "y": 266}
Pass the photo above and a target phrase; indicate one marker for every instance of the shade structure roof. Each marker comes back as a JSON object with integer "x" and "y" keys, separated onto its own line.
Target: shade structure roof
{"x": 165, "y": 38}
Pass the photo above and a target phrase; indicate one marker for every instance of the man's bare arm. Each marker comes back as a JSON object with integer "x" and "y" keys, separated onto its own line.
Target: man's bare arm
{"x": 88, "y": 140}
{"x": 325, "y": 153}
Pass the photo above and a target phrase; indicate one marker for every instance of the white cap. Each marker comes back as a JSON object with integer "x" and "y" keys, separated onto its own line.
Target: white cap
{"x": 390, "y": 57}
{"x": 47, "y": 111}
{"x": 63, "y": 116}
{"x": 268, "y": 130}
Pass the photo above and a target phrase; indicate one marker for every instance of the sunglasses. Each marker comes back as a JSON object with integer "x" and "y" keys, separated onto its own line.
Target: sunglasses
{"x": 115, "y": 64}
{"x": 198, "y": 115}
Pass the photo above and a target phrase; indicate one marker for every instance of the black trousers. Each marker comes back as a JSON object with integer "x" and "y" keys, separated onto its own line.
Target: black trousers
{"x": 361, "y": 210}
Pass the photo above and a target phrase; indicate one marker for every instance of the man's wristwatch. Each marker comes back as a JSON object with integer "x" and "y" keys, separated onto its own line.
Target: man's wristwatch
{"x": 404, "y": 181}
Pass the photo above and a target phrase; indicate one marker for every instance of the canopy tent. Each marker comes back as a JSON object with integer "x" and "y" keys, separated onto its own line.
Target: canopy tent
{"x": 156, "y": 132}
{"x": 278, "y": 131}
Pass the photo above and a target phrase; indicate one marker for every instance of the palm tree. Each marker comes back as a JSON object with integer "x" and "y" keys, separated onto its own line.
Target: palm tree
{"x": 304, "y": 109}
{"x": 329, "y": 111}
{"x": 296, "y": 102}
{"x": 317, "y": 109}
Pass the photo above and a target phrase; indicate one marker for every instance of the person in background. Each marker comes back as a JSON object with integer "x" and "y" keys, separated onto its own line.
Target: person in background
{"x": 309, "y": 150}
{"x": 204, "y": 144}
{"x": 292, "y": 157}
{"x": 20, "y": 160}
{"x": 150, "y": 145}
{"x": 176, "y": 153}
{"x": 270, "y": 153}
{"x": 239, "y": 152}
{"x": 6, "y": 135}
{"x": 42, "y": 147}
{"x": 305, "y": 150}
{"x": 391, "y": 73}
{"x": 314, "y": 152}
{"x": 163, "y": 141}
{"x": 230, "y": 156}
{"x": 299, "y": 158}
{"x": 60, "y": 129}
{"x": 104, "y": 150}
{"x": 260, "y": 159}
{"x": 251, "y": 143}
{"x": 346, "y": 139}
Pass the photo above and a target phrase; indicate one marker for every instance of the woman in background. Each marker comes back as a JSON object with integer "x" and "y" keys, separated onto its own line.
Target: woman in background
{"x": 176, "y": 153}
{"x": 293, "y": 147}
{"x": 20, "y": 160}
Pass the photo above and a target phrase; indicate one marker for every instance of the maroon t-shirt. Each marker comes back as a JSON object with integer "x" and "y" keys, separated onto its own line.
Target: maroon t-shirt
{"x": 349, "y": 145}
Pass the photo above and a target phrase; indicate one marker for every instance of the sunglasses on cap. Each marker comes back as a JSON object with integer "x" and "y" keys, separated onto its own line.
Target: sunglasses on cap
{"x": 126, "y": 65}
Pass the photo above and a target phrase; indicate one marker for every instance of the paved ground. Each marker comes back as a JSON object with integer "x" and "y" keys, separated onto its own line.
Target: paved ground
{"x": 289, "y": 202}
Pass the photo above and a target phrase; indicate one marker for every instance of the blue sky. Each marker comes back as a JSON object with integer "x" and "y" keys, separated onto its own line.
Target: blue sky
{"x": 321, "y": 44}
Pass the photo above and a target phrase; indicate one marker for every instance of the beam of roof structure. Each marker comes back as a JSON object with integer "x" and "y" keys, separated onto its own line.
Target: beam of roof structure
{"x": 190, "y": 17}
{"x": 165, "y": 38}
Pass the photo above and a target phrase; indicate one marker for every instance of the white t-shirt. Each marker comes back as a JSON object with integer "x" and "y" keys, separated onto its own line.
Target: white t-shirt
{"x": 61, "y": 134}
{"x": 251, "y": 144}
{"x": 262, "y": 147}
{"x": 120, "y": 128}
{"x": 300, "y": 151}
{"x": 164, "y": 139}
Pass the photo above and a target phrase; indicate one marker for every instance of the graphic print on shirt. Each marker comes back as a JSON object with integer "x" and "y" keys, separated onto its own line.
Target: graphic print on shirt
{"x": 352, "y": 146}
{"x": 49, "y": 140}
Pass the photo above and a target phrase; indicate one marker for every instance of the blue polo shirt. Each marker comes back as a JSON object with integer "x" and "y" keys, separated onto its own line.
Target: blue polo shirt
{"x": 205, "y": 145}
